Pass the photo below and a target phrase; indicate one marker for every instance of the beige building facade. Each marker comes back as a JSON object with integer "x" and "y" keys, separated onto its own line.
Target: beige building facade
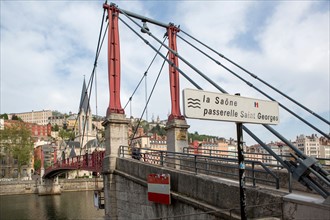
{"x": 38, "y": 117}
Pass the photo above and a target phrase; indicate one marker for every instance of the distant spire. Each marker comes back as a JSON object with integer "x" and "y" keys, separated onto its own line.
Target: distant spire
{"x": 84, "y": 99}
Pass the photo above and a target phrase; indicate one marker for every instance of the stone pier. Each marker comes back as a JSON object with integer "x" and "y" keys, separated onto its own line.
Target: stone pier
{"x": 177, "y": 138}
{"x": 48, "y": 186}
{"x": 116, "y": 135}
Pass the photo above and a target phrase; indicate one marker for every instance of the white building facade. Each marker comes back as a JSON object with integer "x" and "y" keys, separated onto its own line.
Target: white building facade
{"x": 310, "y": 145}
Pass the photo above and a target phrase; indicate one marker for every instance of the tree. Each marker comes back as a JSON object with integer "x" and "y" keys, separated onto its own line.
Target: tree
{"x": 56, "y": 128}
{"x": 200, "y": 137}
{"x": 17, "y": 142}
{"x": 145, "y": 125}
{"x": 4, "y": 116}
{"x": 64, "y": 134}
{"x": 15, "y": 117}
{"x": 56, "y": 113}
{"x": 159, "y": 130}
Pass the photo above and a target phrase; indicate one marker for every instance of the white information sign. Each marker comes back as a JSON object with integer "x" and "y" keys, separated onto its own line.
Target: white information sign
{"x": 223, "y": 107}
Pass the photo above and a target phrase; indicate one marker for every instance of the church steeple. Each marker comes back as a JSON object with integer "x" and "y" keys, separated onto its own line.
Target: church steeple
{"x": 85, "y": 131}
{"x": 84, "y": 104}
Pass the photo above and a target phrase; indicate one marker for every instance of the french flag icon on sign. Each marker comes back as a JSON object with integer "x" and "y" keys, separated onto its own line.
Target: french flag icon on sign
{"x": 256, "y": 104}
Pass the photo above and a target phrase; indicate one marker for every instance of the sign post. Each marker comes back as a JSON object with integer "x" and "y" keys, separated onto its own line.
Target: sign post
{"x": 241, "y": 168}
{"x": 223, "y": 107}
{"x": 241, "y": 171}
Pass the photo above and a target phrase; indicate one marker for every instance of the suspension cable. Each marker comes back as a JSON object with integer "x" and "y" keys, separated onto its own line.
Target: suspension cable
{"x": 257, "y": 78}
{"x": 304, "y": 179}
{"x": 96, "y": 112}
{"x": 130, "y": 98}
{"x": 190, "y": 80}
{"x": 90, "y": 83}
{"x": 146, "y": 94}
{"x": 164, "y": 57}
{"x": 200, "y": 73}
{"x": 194, "y": 68}
{"x": 144, "y": 75}
{"x": 251, "y": 85}
{"x": 172, "y": 51}
{"x": 321, "y": 173}
{"x": 151, "y": 92}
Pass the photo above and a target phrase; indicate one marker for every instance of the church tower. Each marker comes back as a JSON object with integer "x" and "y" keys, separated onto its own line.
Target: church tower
{"x": 85, "y": 129}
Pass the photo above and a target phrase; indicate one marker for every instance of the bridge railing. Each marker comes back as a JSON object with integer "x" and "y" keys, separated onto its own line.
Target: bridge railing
{"x": 256, "y": 171}
{"x": 265, "y": 158}
{"x": 269, "y": 161}
{"x": 92, "y": 162}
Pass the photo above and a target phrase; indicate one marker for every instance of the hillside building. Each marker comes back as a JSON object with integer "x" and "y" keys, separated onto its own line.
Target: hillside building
{"x": 60, "y": 121}
{"x": 38, "y": 117}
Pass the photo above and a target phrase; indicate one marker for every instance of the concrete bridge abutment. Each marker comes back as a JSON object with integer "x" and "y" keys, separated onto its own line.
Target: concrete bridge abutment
{"x": 193, "y": 196}
{"x": 200, "y": 196}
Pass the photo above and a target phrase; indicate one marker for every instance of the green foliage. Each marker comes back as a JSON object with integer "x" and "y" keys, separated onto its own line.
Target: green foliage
{"x": 64, "y": 134}
{"x": 159, "y": 130}
{"x": 57, "y": 113}
{"x": 199, "y": 137}
{"x": 4, "y": 116}
{"x": 145, "y": 127}
{"x": 56, "y": 128}
{"x": 17, "y": 140}
{"x": 37, "y": 164}
{"x": 15, "y": 117}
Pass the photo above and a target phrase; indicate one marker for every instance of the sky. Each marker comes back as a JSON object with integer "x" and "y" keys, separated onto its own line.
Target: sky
{"x": 48, "y": 49}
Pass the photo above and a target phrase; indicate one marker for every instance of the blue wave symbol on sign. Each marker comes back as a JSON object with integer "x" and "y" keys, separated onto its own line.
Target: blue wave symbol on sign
{"x": 194, "y": 103}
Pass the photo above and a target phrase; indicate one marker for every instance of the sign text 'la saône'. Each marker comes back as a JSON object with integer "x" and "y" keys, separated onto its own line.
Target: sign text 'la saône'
{"x": 223, "y": 107}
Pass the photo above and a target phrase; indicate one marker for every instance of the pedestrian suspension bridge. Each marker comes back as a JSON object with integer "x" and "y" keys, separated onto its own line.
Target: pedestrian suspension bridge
{"x": 88, "y": 162}
{"x": 304, "y": 169}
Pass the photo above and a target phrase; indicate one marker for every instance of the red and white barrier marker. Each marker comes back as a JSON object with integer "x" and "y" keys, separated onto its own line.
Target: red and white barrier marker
{"x": 159, "y": 187}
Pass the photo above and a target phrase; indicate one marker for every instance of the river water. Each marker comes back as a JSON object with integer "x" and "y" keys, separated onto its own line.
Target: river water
{"x": 68, "y": 205}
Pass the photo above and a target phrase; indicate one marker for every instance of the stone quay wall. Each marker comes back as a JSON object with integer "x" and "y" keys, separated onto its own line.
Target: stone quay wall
{"x": 30, "y": 186}
{"x": 18, "y": 187}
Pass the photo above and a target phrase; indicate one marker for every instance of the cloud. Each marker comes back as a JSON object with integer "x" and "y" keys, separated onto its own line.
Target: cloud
{"x": 48, "y": 48}
{"x": 45, "y": 54}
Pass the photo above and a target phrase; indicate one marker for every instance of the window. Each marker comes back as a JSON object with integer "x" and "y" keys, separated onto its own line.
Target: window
{"x": 24, "y": 172}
